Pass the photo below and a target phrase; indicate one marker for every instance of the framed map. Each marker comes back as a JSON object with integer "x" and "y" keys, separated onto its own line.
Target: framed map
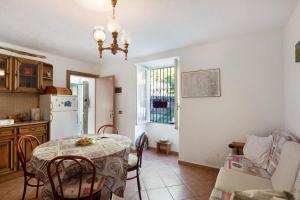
{"x": 298, "y": 52}
{"x": 201, "y": 83}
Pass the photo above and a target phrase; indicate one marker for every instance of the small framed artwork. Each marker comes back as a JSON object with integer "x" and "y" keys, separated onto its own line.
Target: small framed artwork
{"x": 298, "y": 52}
{"x": 201, "y": 83}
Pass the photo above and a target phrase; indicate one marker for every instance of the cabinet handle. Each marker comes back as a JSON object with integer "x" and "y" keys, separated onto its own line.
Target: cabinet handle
{"x": 32, "y": 129}
{"x": 51, "y": 106}
{"x": 51, "y": 117}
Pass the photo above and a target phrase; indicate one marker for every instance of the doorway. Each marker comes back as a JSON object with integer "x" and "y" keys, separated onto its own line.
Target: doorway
{"x": 96, "y": 100}
{"x": 105, "y": 90}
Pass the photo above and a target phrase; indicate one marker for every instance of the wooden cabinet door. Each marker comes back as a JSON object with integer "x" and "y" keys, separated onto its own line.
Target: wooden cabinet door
{"x": 27, "y": 75}
{"x": 39, "y": 131}
{"x": 7, "y": 154}
{"x": 5, "y": 73}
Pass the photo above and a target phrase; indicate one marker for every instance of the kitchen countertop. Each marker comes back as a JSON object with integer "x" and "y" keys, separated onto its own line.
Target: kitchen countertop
{"x": 24, "y": 123}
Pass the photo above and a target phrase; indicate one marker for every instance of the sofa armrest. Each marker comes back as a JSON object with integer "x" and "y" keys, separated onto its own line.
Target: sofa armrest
{"x": 237, "y": 147}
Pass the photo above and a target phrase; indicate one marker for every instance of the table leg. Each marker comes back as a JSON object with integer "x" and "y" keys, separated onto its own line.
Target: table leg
{"x": 167, "y": 150}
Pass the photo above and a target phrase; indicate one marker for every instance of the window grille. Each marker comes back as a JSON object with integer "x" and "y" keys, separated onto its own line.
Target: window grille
{"x": 162, "y": 95}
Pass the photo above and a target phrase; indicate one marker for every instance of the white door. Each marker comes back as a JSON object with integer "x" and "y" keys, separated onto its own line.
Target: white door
{"x": 105, "y": 101}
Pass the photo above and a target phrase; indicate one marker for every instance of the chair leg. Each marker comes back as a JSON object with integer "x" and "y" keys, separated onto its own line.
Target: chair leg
{"x": 100, "y": 195}
{"x": 138, "y": 183}
{"x": 37, "y": 189}
{"x": 111, "y": 194}
{"x": 24, "y": 189}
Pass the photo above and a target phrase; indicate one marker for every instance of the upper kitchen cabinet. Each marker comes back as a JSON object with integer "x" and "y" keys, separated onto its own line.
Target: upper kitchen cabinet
{"x": 24, "y": 75}
{"x": 5, "y": 73}
{"x": 46, "y": 75}
{"x": 27, "y": 75}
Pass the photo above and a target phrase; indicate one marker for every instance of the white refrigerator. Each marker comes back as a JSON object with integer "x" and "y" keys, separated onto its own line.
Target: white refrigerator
{"x": 62, "y": 113}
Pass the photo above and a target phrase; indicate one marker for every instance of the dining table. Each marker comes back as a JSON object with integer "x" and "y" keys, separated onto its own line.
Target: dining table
{"x": 109, "y": 152}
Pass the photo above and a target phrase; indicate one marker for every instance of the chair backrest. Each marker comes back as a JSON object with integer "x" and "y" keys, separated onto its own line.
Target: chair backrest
{"x": 140, "y": 148}
{"x": 25, "y": 146}
{"x": 54, "y": 171}
{"x": 108, "y": 126}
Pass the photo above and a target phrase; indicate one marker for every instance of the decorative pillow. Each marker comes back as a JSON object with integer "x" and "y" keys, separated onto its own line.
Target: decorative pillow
{"x": 261, "y": 195}
{"x": 296, "y": 188}
{"x": 279, "y": 138}
{"x": 257, "y": 149}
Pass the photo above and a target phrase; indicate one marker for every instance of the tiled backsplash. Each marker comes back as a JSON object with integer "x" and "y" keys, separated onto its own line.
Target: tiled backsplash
{"x": 14, "y": 103}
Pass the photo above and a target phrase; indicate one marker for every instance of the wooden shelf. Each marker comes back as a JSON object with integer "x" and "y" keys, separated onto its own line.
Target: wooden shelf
{"x": 25, "y": 75}
{"x": 47, "y": 78}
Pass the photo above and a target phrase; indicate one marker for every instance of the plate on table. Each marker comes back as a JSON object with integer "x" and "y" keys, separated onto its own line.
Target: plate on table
{"x": 85, "y": 142}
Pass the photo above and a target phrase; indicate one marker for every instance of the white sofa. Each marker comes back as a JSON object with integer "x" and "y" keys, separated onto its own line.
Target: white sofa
{"x": 282, "y": 179}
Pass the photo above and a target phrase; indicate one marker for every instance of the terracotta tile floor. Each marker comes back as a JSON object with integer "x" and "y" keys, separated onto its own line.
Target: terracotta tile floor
{"x": 162, "y": 179}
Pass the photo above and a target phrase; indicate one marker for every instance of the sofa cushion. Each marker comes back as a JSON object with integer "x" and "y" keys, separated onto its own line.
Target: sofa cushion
{"x": 217, "y": 194}
{"x": 257, "y": 149}
{"x": 279, "y": 138}
{"x": 296, "y": 187}
{"x": 261, "y": 195}
{"x": 286, "y": 171}
{"x": 231, "y": 180}
{"x": 242, "y": 164}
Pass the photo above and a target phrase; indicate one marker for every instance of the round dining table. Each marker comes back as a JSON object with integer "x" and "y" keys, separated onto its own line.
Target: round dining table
{"x": 109, "y": 154}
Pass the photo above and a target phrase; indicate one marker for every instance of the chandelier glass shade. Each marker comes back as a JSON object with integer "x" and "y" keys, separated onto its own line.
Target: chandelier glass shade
{"x": 114, "y": 27}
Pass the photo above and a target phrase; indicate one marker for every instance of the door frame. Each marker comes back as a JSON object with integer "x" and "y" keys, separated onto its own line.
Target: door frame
{"x": 76, "y": 73}
{"x": 69, "y": 73}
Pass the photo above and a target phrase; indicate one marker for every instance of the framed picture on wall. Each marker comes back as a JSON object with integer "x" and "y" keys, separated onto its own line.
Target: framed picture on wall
{"x": 298, "y": 52}
{"x": 201, "y": 83}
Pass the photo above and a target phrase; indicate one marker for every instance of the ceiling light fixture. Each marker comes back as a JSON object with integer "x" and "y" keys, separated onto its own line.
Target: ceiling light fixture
{"x": 114, "y": 27}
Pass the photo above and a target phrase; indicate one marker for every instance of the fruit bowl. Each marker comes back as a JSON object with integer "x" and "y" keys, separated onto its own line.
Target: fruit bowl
{"x": 85, "y": 142}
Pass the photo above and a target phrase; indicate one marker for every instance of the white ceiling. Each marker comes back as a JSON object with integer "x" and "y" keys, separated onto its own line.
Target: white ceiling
{"x": 64, "y": 27}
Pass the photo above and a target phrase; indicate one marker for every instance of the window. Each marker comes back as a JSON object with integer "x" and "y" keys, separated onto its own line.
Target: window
{"x": 142, "y": 95}
{"x": 162, "y": 95}
{"x": 157, "y": 92}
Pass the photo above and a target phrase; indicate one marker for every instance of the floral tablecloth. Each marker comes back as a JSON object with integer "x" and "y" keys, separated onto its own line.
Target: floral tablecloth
{"x": 109, "y": 153}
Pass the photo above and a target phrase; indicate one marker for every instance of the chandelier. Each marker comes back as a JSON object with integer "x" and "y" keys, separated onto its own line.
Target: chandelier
{"x": 114, "y": 27}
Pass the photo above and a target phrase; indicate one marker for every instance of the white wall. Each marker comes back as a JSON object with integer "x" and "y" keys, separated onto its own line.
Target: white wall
{"x": 251, "y": 102}
{"x": 292, "y": 73}
{"x": 156, "y": 131}
{"x": 60, "y": 64}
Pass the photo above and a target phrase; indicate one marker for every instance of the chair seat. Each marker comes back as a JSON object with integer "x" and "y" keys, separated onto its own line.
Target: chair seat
{"x": 71, "y": 186}
{"x": 132, "y": 160}
{"x": 29, "y": 168}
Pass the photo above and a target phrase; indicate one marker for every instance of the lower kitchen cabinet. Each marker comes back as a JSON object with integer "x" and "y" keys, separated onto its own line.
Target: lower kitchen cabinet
{"x": 9, "y": 162}
{"x": 7, "y": 145}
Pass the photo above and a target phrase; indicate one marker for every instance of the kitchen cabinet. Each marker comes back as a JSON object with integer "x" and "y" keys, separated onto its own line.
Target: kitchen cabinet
{"x": 9, "y": 162}
{"x": 24, "y": 75}
{"x": 7, "y": 145}
{"x": 46, "y": 75}
{"x": 5, "y": 73}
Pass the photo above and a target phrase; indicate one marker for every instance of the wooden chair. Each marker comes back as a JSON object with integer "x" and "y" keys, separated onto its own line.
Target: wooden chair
{"x": 82, "y": 184}
{"x": 108, "y": 126}
{"x": 25, "y": 142}
{"x": 135, "y": 161}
